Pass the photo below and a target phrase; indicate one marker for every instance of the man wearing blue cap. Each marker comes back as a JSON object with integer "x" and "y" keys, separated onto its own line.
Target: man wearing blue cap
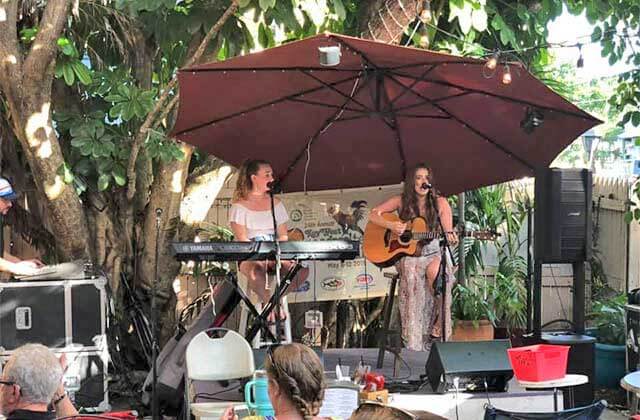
{"x": 10, "y": 263}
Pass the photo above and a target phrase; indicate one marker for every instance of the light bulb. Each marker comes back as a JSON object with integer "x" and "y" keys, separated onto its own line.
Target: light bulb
{"x": 506, "y": 76}
{"x": 492, "y": 62}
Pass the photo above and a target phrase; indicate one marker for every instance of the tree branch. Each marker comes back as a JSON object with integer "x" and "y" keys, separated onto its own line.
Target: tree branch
{"x": 44, "y": 48}
{"x": 10, "y": 58}
{"x": 151, "y": 117}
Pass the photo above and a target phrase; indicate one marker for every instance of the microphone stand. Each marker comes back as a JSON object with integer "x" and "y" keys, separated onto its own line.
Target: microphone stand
{"x": 440, "y": 286}
{"x": 155, "y": 414}
{"x": 273, "y": 190}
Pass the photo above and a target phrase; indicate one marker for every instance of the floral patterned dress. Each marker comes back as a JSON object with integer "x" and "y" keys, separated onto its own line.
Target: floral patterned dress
{"x": 419, "y": 308}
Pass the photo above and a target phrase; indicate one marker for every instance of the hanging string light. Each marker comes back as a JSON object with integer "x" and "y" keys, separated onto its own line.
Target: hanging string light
{"x": 580, "y": 63}
{"x": 506, "y": 76}
{"x": 425, "y": 11}
{"x": 492, "y": 62}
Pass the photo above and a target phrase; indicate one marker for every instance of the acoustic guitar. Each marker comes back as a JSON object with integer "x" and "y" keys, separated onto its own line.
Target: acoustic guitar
{"x": 383, "y": 247}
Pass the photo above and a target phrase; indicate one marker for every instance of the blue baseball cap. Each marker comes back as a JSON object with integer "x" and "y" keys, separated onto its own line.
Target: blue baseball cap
{"x": 6, "y": 190}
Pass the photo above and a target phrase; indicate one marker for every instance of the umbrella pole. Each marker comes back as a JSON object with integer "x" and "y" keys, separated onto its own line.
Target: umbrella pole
{"x": 441, "y": 282}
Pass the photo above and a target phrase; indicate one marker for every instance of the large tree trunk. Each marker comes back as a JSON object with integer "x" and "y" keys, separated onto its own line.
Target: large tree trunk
{"x": 26, "y": 86}
{"x": 385, "y": 21}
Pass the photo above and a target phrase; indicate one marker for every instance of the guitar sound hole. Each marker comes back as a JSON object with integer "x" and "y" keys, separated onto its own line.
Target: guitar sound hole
{"x": 405, "y": 237}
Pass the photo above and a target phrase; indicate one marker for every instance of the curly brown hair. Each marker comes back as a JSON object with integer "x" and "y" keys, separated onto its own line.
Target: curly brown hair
{"x": 244, "y": 184}
{"x": 299, "y": 373}
{"x": 409, "y": 206}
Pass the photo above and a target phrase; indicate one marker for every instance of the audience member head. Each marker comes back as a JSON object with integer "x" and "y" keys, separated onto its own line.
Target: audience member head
{"x": 29, "y": 379}
{"x": 374, "y": 410}
{"x": 296, "y": 379}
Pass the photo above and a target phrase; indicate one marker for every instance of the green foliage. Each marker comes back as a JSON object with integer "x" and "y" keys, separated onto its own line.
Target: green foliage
{"x": 501, "y": 208}
{"x": 130, "y": 102}
{"x": 608, "y": 316}
{"x": 69, "y": 66}
{"x": 472, "y": 303}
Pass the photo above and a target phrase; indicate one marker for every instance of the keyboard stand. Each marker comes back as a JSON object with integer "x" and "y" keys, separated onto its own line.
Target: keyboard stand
{"x": 260, "y": 322}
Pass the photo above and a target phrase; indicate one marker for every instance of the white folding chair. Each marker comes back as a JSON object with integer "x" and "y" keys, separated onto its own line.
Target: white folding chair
{"x": 244, "y": 315}
{"x": 216, "y": 354}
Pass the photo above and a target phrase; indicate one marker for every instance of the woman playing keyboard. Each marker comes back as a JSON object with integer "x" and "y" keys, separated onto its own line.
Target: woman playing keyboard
{"x": 251, "y": 220}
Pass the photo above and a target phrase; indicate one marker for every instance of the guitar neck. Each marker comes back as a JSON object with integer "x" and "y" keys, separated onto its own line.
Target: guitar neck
{"x": 423, "y": 236}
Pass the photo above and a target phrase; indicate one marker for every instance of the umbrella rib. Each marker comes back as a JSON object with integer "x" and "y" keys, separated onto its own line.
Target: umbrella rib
{"x": 437, "y": 117}
{"x": 393, "y": 125}
{"x": 349, "y": 98}
{"x": 444, "y": 98}
{"x": 306, "y": 101}
{"x": 503, "y": 97}
{"x": 473, "y": 129}
{"x": 257, "y": 107}
{"x": 437, "y": 63}
{"x": 410, "y": 87}
{"x": 268, "y": 69}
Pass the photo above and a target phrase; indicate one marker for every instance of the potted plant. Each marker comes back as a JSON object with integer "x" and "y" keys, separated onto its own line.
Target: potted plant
{"x": 509, "y": 297}
{"x": 608, "y": 327}
{"x": 474, "y": 317}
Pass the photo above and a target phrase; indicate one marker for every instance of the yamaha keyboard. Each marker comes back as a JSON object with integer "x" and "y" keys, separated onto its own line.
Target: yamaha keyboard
{"x": 261, "y": 250}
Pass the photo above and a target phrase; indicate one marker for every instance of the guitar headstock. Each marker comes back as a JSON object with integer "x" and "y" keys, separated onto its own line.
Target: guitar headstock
{"x": 485, "y": 234}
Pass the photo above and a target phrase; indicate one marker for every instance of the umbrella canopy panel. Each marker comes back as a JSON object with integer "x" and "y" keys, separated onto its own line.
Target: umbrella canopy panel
{"x": 379, "y": 112}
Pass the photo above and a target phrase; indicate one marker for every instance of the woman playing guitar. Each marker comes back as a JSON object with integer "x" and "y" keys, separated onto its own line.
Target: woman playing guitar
{"x": 419, "y": 307}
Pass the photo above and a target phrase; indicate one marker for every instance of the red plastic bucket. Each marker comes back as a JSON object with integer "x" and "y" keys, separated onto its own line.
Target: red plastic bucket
{"x": 542, "y": 362}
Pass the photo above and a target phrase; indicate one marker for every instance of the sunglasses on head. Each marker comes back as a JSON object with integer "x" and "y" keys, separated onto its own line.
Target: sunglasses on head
{"x": 272, "y": 348}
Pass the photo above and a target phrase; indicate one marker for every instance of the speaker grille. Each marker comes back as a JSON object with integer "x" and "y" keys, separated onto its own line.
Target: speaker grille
{"x": 563, "y": 215}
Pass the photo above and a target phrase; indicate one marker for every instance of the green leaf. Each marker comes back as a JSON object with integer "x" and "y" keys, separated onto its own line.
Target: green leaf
{"x": 596, "y": 34}
{"x": 263, "y": 38}
{"x": 628, "y": 217}
{"x": 465, "y": 18}
{"x": 105, "y": 166}
{"x": 82, "y": 72}
{"x": 222, "y": 52}
{"x": 522, "y": 12}
{"x": 636, "y": 214}
{"x": 69, "y": 75}
{"x": 67, "y": 47}
{"x": 103, "y": 182}
{"x": 114, "y": 98}
{"x": 65, "y": 171}
{"x": 267, "y": 4}
{"x": 341, "y": 12}
{"x": 119, "y": 175}
{"x": 635, "y": 118}
{"x": 243, "y": 3}
{"x": 479, "y": 20}
{"x": 83, "y": 166}
{"x": 79, "y": 141}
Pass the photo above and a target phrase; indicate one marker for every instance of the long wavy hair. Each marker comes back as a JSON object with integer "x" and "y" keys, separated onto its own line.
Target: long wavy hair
{"x": 409, "y": 207}
{"x": 244, "y": 184}
{"x": 298, "y": 372}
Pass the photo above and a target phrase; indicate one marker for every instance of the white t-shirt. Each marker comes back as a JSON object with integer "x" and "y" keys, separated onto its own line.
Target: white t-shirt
{"x": 258, "y": 222}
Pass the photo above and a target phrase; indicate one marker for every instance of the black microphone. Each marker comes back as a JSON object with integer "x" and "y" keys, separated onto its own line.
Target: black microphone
{"x": 425, "y": 186}
{"x": 274, "y": 186}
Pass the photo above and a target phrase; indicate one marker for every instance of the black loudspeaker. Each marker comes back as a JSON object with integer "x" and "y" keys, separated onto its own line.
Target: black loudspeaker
{"x": 633, "y": 336}
{"x": 582, "y": 361}
{"x": 563, "y": 215}
{"x": 472, "y": 362}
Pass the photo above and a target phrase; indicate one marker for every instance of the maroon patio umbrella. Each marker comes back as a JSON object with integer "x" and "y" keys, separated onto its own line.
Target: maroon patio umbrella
{"x": 378, "y": 112}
